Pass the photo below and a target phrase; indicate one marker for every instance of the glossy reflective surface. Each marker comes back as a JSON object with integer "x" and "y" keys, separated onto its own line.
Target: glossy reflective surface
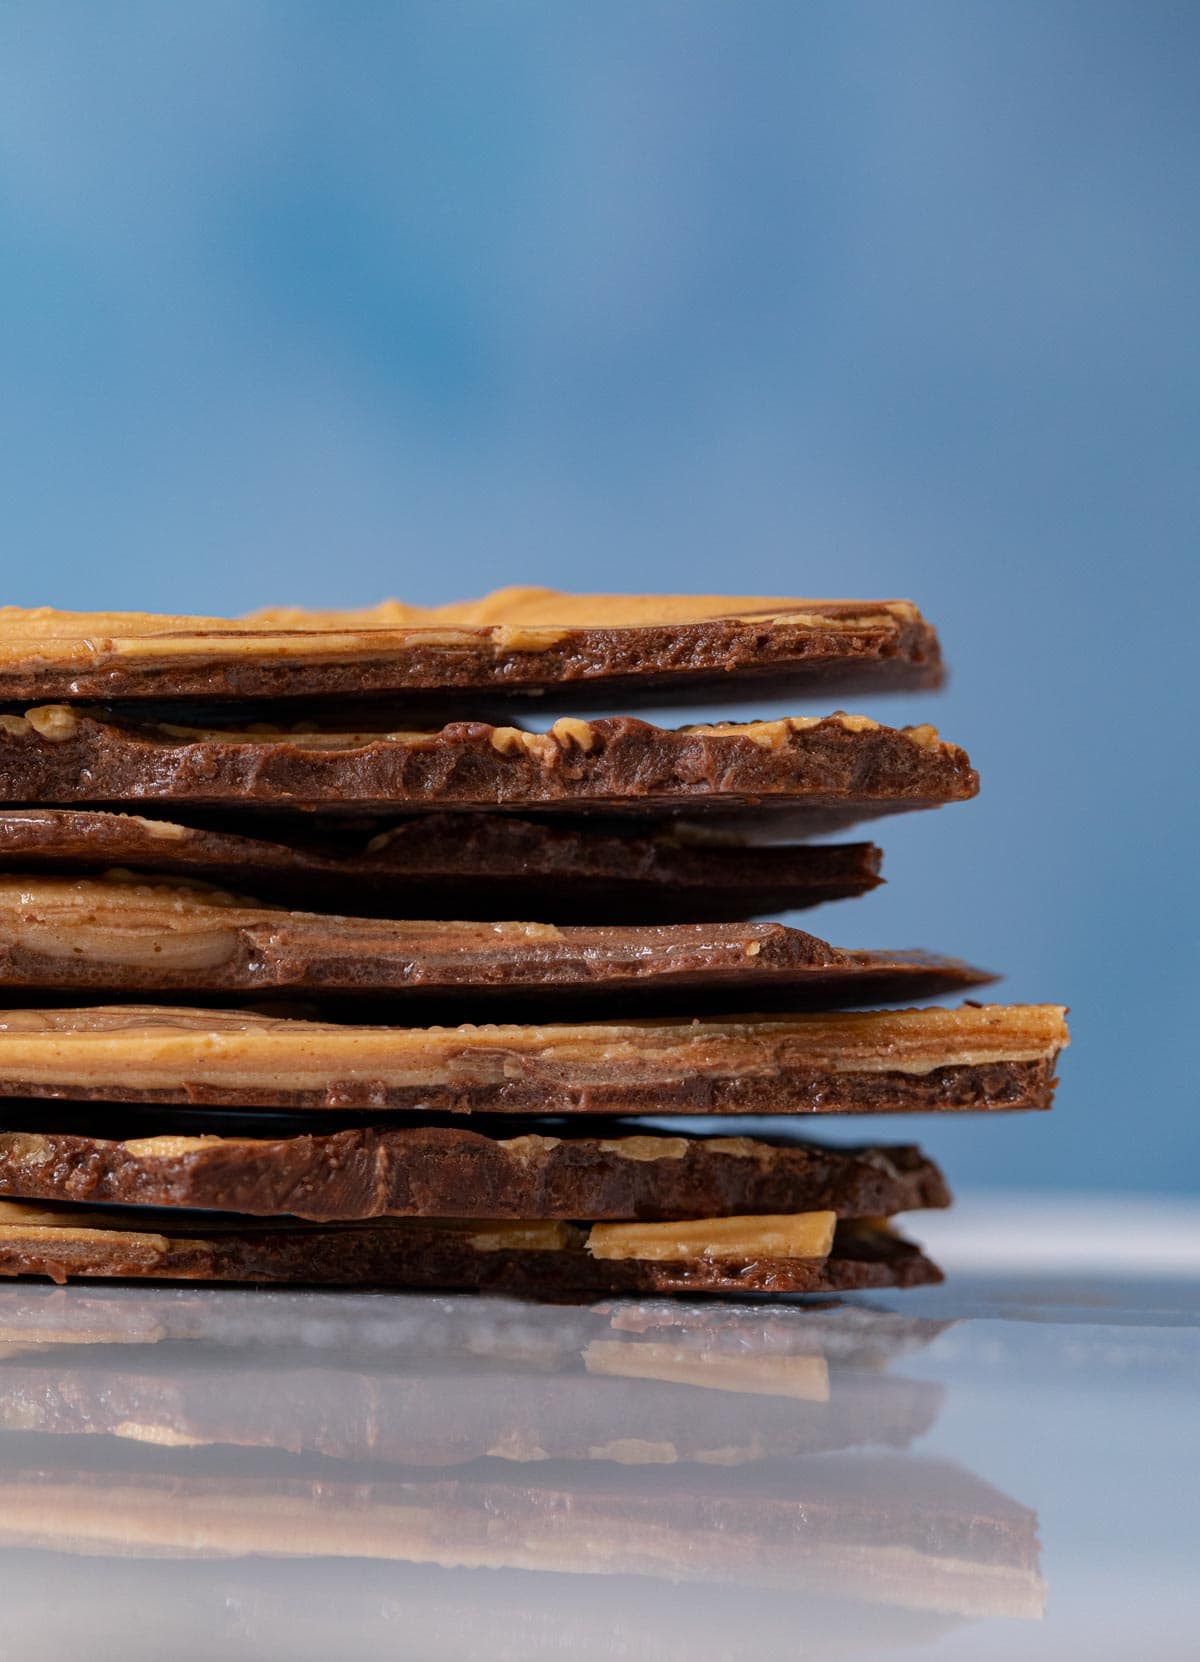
{"x": 997, "y": 1467}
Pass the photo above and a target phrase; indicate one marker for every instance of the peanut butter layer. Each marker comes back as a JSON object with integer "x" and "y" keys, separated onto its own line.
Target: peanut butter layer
{"x": 535, "y": 1258}
{"x": 455, "y": 866}
{"x": 977, "y": 1056}
{"x": 123, "y": 934}
{"x": 519, "y": 641}
{"x": 824, "y": 772}
{"x": 445, "y": 1171}
{"x": 772, "y": 1235}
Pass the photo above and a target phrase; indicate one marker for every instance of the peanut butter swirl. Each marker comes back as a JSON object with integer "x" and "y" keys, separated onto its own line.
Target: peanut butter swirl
{"x": 977, "y": 1056}
{"x": 828, "y": 771}
{"x": 446, "y": 865}
{"x": 514, "y": 641}
{"x": 136, "y": 934}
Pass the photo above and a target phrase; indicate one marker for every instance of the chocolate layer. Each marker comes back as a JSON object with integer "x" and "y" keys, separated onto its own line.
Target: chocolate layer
{"x": 888, "y": 1061}
{"x": 455, "y": 866}
{"x": 517, "y": 642}
{"x": 823, "y": 772}
{"x": 437, "y": 1171}
{"x": 470, "y": 1256}
{"x": 115, "y": 934}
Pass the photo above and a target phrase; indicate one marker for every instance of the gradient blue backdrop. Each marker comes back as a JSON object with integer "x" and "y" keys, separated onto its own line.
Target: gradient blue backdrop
{"x": 322, "y": 302}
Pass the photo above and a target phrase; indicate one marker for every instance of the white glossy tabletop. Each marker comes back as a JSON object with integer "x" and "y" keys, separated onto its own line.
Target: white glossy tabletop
{"x": 1003, "y": 1466}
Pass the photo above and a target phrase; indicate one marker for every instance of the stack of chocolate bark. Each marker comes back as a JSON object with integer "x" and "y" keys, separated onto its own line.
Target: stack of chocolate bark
{"x": 315, "y": 975}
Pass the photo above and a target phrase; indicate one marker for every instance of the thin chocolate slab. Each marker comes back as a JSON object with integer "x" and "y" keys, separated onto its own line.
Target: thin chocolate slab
{"x": 441, "y": 1171}
{"x": 456, "y": 866}
{"x": 538, "y": 1260}
{"x": 821, "y": 772}
{"x": 889, "y": 1061}
{"x": 515, "y": 642}
{"x": 115, "y": 934}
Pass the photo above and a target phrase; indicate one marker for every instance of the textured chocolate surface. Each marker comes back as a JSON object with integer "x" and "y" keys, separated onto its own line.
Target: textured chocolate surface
{"x": 514, "y": 643}
{"x": 172, "y": 1246}
{"x": 975, "y": 1057}
{"x": 440, "y": 1171}
{"x": 822, "y": 772}
{"x": 114, "y": 934}
{"x": 454, "y": 866}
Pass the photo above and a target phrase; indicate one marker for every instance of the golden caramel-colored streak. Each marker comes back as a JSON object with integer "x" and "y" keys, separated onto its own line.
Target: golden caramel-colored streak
{"x": 99, "y": 628}
{"x": 539, "y": 606}
{"x": 167, "y": 923}
{"x": 68, "y": 1238}
{"x": 512, "y": 619}
{"x": 148, "y": 1047}
{"x": 780, "y": 1235}
{"x": 524, "y": 1235}
{"x": 168, "y": 1147}
{"x": 160, "y": 1436}
{"x": 26, "y": 1215}
{"x": 802, "y": 1378}
{"x": 647, "y": 1148}
{"x": 800, "y": 1236}
{"x": 515, "y": 606}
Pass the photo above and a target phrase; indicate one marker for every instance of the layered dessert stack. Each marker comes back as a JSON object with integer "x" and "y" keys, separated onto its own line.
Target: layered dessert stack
{"x": 315, "y": 975}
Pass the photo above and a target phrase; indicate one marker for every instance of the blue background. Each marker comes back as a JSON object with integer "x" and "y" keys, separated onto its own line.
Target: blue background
{"x": 322, "y": 302}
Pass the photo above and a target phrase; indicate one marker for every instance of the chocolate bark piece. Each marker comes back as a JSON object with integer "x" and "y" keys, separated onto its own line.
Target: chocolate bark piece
{"x": 887, "y": 1528}
{"x": 446, "y": 1171}
{"x": 515, "y": 642}
{"x": 489, "y": 866}
{"x": 533, "y": 1259}
{"x": 434, "y": 1417}
{"x": 117, "y": 934}
{"x": 886, "y": 1061}
{"x": 822, "y": 772}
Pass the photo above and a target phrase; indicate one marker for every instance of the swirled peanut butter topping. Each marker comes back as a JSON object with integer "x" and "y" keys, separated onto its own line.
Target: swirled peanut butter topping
{"x": 148, "y": 1047}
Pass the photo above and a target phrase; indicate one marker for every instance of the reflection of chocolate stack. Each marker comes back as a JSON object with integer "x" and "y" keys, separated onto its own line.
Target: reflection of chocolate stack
{"x": 321, "y": 1138}
{"x": 761, "y": 1450}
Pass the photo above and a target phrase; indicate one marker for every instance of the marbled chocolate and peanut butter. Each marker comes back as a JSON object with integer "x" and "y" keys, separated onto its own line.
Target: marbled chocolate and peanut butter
{"x": 94, "y": 1156}
{"x": 549, "y": 1258}
{"x": 977, "y": 1056}
{"x": 518, "y": 641}
{"x": 823, "y": 772}
{"x": 437, "y": 865}
{"x": 125, "y": 933}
